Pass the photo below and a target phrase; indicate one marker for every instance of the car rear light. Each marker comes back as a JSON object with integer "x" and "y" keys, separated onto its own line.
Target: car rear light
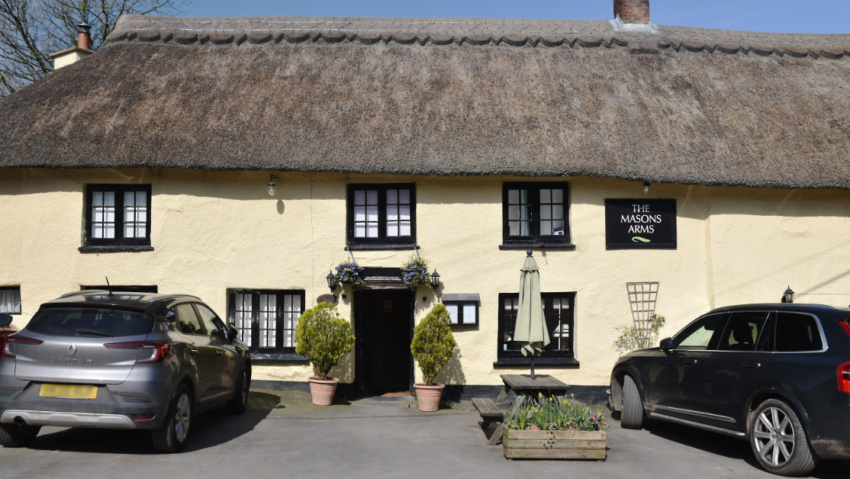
{"x": 150, "y": 351}
{"x": 844, "y": 378}
{"x": 845, "y": 326}
{"x": 8, "y": 343}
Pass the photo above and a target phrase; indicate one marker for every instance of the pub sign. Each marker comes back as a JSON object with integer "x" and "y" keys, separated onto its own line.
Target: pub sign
{"x": 640, "y": 224}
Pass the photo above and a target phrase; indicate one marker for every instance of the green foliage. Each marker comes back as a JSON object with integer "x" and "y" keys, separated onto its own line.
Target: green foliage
{"x": 635, "y": 337}
{"x": 323, "y": 338}
{"x": 551, "y": 413}
{"x": 415, "y": 272}
{"x": 433, "y": 343}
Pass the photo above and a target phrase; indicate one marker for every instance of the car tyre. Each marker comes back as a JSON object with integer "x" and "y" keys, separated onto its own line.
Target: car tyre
{"x": 779, "y": 440}
{"x": 174, "y": 434}
{"x": 632, "y": 415}
{"x": 15, "y": 435}
{"x": 239, "y": 402}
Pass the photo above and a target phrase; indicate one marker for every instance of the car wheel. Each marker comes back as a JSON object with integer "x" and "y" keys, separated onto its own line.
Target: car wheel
{"x": 779, "y": 441}
{"x": 175, "y": 432}
{"x": 15, "y": 435}
{"x": 239, "y": 402}
{"x": 632, "y": 415}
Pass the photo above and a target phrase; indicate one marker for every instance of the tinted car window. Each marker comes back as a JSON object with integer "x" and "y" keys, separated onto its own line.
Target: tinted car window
{"x": 187, "y": 320}
{"x": 105, "y": 322}
{"x": 743, "y": 330}
{"x": 797, "y": 332}
{"x": 209, "y": 318}
{"x": 700, "y": 334}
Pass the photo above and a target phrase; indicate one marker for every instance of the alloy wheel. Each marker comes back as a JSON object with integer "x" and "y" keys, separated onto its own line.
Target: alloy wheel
{"x": 182, "y": 418}
{"x": 774, "y": 437}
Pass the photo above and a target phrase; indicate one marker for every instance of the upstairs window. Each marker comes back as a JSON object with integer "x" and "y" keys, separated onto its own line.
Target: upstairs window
{"x": 118, "y": 217}
{"x": 381, "y": 216}
{"x": 535, "y": 215}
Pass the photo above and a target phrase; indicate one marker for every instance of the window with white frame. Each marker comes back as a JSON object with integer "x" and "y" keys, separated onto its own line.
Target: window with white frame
{"x": 266, "y": 320}
{"x": 381, "y": 215}
{"x": 10, "y": 299}
{"x": 118, "y": 216}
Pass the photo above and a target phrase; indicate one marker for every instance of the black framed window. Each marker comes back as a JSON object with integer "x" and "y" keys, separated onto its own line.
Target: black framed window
{"x": 462, "y": 313}
{"x": 10, "y": 299}
{"x": 118, "y": 217}
{"x": 558, "y": 310}
{"x": 535, "y": 215}
{"x": 381, "y": 216}
{"x": 266, "y": 321}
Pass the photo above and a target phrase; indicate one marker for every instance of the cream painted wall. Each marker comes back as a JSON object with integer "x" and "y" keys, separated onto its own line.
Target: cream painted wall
{"x": 217, "y": 230}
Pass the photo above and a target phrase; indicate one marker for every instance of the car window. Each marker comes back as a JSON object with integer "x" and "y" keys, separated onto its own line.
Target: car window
{"x": 187, "y": 321}
{"x": 90, "y": 322}
{"x": 701, "y": 334}
{"x": 743, "y": 330}
{"x": 210, "y": 319}
{"x": 797, "y": 332}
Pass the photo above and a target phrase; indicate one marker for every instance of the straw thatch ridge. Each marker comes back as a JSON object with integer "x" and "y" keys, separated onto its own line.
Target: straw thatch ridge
{"x": 445, "y": 97}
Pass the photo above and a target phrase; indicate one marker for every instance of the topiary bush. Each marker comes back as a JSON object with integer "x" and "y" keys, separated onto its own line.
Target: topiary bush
{"x": 433, "y": 343}
{"x": 323, "y": 338}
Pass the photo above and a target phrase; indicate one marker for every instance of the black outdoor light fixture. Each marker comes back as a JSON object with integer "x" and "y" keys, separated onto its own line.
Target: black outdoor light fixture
{"x": 435, "y": 280}
{"x": 788, "y": 296}
{"x": 272, "y": 184}
{"x": 332, "y": 283}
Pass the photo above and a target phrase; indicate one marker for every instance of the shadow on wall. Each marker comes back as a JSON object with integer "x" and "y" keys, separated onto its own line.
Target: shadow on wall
{"x": 452, "y": 375}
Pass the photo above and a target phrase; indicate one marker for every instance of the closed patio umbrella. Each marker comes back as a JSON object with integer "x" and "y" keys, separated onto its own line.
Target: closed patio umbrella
{"x": 530, "y": 331}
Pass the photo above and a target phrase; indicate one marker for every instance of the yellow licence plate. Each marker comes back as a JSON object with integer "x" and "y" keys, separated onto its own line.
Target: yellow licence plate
{"x": 68, "y": 391}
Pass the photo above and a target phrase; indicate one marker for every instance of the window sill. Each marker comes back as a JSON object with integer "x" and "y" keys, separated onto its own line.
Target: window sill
{"x": 115, "y": 248}
{"x": 541, "y": 362}
{"x": 566, "y": 246}
{"x": 288, "y": 358}
{"x": 366, "y": 247}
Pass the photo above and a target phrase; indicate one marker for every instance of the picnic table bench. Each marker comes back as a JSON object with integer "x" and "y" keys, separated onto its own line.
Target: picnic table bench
{"x": 495, "y": 411}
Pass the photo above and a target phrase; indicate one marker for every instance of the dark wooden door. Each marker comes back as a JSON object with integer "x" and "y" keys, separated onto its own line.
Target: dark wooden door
{"x": 384, "y": 327}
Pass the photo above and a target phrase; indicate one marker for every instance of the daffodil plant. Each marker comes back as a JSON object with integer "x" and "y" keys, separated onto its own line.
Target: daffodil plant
{"x": 552, "y": 413}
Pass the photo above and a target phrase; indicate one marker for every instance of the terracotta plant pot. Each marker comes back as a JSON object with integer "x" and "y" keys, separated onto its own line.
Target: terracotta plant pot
{"x": 428, "y": 397}
{"x": 323, "y": 390}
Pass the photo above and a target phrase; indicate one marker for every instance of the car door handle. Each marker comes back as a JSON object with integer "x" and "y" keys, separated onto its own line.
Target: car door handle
{"x": 193, "y": 352}
{"x": 752, "y": 364}
{"x": 690, "y": 361}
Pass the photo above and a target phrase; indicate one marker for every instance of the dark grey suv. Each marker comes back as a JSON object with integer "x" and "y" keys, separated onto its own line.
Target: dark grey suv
{"x": 775, "y": 374}
{"x": 98, "y": 359}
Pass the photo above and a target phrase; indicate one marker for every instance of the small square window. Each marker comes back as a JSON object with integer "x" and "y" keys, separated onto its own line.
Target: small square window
{"x": 535, "y": 215}
{"x": 10, "y": 299}
{"x": 381, "y": 216}
{"x": 462, "y": 308}
{"x": 117, "y": 216}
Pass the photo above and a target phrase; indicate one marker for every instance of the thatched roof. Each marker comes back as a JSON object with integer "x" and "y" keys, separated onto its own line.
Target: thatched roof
{"x": 445, "y": 97}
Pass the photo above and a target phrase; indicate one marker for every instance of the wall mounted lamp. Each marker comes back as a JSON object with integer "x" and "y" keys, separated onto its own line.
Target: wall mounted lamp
{"x": 435, "y": 280}
{"x": 332, "y": 283}
{"x": 272, "y": 184}
{"x": 646, "y": 188}
{"x": 788, "y": 296}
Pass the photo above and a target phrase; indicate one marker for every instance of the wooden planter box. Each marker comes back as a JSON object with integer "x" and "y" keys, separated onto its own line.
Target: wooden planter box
{"x": 553, "y": 444}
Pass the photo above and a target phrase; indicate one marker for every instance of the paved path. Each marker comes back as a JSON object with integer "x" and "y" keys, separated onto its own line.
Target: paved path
{"x": 286, "y": 437}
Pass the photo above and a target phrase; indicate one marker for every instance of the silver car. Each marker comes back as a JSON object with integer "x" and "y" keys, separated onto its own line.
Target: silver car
{"x": 98, "y": 359}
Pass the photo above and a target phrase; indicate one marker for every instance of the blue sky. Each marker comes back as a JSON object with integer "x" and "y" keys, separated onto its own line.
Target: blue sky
{"x": 790, "y": 16}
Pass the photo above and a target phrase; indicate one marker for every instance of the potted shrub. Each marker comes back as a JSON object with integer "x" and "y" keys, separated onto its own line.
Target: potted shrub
{"x": 554, "y": 428}
{"x": 432, "y": 347}
{"x": 323, "y": 338}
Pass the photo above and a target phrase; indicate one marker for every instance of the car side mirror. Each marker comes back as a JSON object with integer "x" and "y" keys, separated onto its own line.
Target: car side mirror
{"x": 232, "y": 333}
{"x": 5, "y": 319}
{"x": 667, "y": 344}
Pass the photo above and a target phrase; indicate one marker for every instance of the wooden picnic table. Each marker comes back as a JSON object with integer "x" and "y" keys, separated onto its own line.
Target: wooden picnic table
{"x": 523, "y": 385}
